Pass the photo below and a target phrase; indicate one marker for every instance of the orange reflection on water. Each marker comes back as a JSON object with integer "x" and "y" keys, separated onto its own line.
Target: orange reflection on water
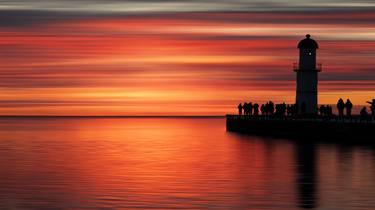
{"x": 164, "y": 163}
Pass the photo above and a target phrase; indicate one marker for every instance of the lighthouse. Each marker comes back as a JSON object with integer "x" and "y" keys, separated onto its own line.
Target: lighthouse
{"x": 307, "y": 76}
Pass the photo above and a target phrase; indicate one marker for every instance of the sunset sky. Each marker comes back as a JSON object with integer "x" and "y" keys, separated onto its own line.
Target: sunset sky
{"x": 154, "y": 57}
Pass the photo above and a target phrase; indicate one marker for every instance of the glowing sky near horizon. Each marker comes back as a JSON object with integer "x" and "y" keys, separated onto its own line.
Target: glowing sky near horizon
{"x": 113, "y": 57}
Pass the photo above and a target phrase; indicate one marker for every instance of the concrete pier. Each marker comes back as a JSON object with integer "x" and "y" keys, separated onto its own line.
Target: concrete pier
{"x": 351, "y": 130}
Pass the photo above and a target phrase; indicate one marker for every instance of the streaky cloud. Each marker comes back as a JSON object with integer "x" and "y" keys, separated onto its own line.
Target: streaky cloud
{"x": 146, "y": 6}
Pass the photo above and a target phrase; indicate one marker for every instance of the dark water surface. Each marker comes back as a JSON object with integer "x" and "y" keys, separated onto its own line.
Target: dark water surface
{"x": 181, "y": 163}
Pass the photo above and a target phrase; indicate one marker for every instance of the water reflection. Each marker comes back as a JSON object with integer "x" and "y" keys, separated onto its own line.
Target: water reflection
{"x": 88, "y": 163}
{"x": 306, "y": 174}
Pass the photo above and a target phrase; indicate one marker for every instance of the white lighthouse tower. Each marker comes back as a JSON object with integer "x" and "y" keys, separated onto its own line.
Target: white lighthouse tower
{"x": 307, "y": 76}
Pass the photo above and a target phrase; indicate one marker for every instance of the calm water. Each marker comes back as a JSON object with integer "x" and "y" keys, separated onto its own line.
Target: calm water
{"x": 181, "y": 163}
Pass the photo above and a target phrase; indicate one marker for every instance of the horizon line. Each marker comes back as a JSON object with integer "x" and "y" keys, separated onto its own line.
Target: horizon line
{"x": 114, "y": 116}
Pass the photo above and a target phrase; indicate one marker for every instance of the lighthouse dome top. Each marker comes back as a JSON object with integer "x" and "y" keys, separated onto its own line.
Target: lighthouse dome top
{"x": 308, "y": 43}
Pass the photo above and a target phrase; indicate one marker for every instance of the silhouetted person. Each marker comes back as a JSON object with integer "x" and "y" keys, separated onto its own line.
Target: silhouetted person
{"x": 250, "y": 108}
{"x": 256, "y": 109}
{"x": 266, "y": 108}
{"x": 372, "y": 107}
{"x": 244, "y": 108}
{"x": 278, "y": 109}
{"x": 293, "y": 110}
{"x": 282, "y": 109}
{"x": 340, "y": 107}
{"x": 271, "y": 107}
{"x": 263, "y": 109}
{"x": 239, "y": 109}
{"x": 348, "y": 106}
{"x": 364, "y": 114}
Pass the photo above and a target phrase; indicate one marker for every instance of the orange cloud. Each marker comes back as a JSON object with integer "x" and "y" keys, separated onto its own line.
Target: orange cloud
{"x": 177, "y": 64}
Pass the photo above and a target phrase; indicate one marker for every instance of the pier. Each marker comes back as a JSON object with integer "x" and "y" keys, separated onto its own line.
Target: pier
{"x": 348, "y": 130}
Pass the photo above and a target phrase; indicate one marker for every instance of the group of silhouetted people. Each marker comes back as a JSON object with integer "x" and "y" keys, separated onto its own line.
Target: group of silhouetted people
{"x": 326, "y": 110}
{"x": 283, "y": 109}
{"x": 293, "y": 109}
{"x": 341, "y": 106}
{"x": 267, "y": 109}
{"x": 249, "y": 108}
{"x": 270, "y": 108}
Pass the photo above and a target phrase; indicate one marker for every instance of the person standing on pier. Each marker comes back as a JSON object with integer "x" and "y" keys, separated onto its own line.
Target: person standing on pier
{"x": 341, "y": 107}
{"x": 245, "y": 107}
{"x": 256, "y": 109}
{"x": 271, "y": 108}
{"x": 263, "y": 109}
{"x": 250, "y": 108}
{"x": 364, "y": 114}
{"x": 239, "y": 109}
{"x": 372, "y": 107}
{"x": 283, "y": 105}
{"x": 348, "y": 106}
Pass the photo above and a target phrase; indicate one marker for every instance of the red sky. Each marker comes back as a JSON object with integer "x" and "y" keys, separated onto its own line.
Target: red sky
{"x": 185, "y": 63}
